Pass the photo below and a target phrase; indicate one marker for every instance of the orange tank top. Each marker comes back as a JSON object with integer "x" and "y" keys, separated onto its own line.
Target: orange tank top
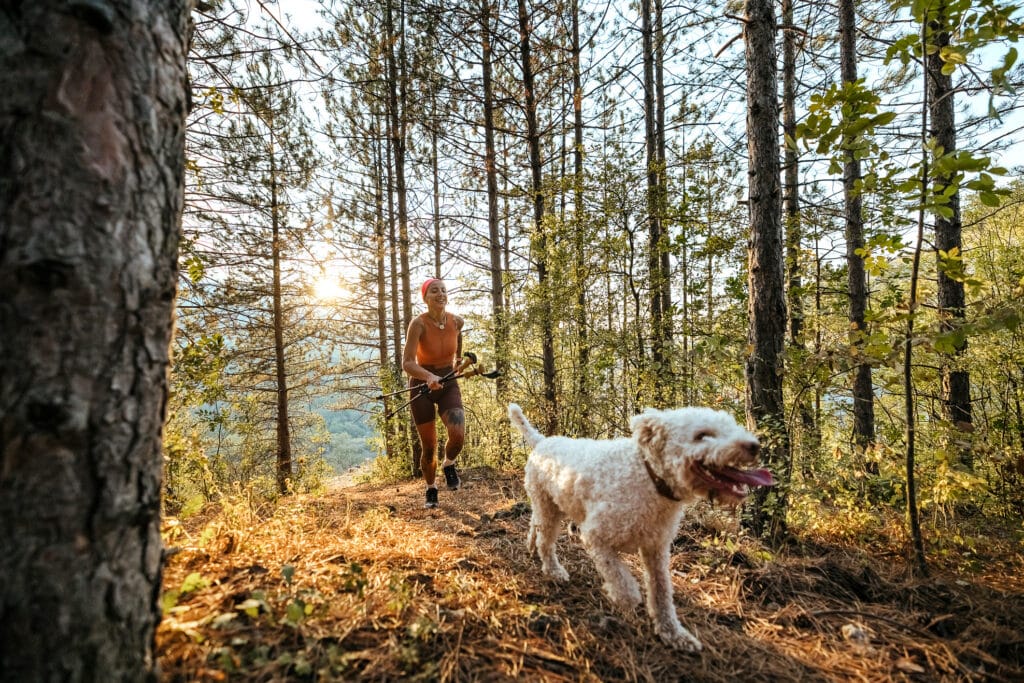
{"x": 437, "y": 347}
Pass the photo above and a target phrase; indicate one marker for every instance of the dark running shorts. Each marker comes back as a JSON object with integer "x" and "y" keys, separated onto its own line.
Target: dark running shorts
{"x": 426, "y": 408}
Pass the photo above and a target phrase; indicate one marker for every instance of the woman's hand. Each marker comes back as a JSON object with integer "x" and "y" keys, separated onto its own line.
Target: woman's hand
{"x": 464, "y": 362}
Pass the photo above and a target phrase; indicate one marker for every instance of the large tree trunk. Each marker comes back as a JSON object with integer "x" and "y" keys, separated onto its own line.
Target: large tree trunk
{"x": 767, "y": 304}
{"x": 91, "y": 186}
{"x": 494, "y": 231}
{"x": 956, "y": 382}
{"x": 863, "y": 394}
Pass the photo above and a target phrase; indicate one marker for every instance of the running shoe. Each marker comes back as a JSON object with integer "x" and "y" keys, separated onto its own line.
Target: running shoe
{"x": 451, "y": 477}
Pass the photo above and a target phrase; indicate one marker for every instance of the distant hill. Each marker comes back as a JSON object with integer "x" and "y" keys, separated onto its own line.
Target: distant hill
{"x": 350, "y": 436}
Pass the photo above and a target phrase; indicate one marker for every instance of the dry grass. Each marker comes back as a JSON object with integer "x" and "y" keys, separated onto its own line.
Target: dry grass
{"x": 362, "y": 583}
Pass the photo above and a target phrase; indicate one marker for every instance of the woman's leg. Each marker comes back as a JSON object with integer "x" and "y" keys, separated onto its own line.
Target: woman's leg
{"x": 428, "y": 451}
{"x": 455, "y": 423}
{"x": 454, "y": 420}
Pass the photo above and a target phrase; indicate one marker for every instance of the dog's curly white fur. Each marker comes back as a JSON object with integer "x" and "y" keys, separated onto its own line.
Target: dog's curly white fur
{"x": 629, "y": 494}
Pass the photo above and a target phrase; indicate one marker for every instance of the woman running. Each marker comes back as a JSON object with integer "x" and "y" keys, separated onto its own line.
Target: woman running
{"x": 433, "y": 350}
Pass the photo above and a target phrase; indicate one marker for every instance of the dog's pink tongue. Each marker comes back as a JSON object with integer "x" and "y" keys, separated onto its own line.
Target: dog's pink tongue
{"x": 759, "y": 477}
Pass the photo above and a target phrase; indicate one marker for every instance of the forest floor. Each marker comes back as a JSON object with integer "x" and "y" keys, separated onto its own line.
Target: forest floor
{"x": 363, "y": 583}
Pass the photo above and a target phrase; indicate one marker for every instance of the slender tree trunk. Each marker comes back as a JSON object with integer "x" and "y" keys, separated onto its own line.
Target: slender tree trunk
{"x": 436, "y": 192}
{"x": 381, "y": 247}
{"x": 393, "y": 248}
{"x": 398, "y": 302}
{"x": 863, "y": 392}
{"x": 909, "y": 413}
{"x": 91, "y": 191}
{"x": 396, "y": 112}
{"x": 284, "y": 441}
{"x": 540, "y": 232}
{"x": 766, "y": 280}
{"x": 956, "y": 382}
{"x": 497, "y": 244}
{"x": 794, "y": 226}
{"x": 1015, "y": 388}
{"x": 655, "y": 200}
{"x": 664, "y": 261}
{"x": 580, "y": 232}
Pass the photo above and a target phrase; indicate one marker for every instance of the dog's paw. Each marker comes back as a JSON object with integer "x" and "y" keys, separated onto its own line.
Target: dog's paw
{"x": 557, "y": 574}
{"x": 681, "y": 640}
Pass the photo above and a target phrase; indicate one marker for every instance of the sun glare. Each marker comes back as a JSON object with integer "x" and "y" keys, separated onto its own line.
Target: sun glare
{"x": 327, "y": 288}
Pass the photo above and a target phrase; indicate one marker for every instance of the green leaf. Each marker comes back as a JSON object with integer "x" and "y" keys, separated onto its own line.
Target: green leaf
{"x": 951, "y": 55}
{"x": 194, "y": 582}
{"x": 989, "y": 199}
{"x": 295, "y": 612}
{"x": 169, "y": 601}
{"x": 884, "y": 118}
{"x": 1010, "y": 59}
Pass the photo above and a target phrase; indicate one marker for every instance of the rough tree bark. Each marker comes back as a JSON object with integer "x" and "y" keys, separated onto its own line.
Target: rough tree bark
{"x": 766, "y": 277}
{"x": 863, "y": 394}
{"x": 956, "y": 380}
{"x": 91, "y": 188}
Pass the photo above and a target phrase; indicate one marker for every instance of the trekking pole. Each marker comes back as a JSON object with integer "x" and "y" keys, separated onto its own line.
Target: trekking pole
{"x": 474, "y": 372}
{"x": 421, "y": 390}
{"x": 424, "y": 389}
{"x": 468, "y": 355}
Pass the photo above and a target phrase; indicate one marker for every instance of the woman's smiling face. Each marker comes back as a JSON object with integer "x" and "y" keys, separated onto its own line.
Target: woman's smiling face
{"x": 437, "y": 292}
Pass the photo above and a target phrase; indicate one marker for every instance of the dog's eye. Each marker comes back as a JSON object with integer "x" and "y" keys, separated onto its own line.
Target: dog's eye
{"x": 700, "y": 436}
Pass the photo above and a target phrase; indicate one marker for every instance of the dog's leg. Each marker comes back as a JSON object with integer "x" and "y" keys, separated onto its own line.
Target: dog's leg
{"x": 619, "y": 583}
{"x": 659, "y": 601}
{"x": 545, "y": 523}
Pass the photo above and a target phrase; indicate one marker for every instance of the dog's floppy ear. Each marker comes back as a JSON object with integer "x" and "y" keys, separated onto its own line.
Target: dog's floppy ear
{"x": 649, "y": 430}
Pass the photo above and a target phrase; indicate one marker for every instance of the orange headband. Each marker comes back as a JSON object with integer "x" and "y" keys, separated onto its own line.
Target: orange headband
{"x": 426, "y": 285}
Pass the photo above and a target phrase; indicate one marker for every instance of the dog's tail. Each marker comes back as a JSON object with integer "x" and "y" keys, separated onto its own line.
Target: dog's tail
{"x": 531, "y": 435}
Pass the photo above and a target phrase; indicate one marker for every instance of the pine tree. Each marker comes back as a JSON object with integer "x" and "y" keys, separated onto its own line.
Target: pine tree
{"x": 91, "y": 178}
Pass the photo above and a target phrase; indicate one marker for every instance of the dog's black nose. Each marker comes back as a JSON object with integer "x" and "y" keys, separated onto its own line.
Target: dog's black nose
{"x": 754, "y": 449}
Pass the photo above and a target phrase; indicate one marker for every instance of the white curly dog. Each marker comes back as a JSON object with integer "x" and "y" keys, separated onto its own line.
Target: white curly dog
{"x": 629, "y": 494}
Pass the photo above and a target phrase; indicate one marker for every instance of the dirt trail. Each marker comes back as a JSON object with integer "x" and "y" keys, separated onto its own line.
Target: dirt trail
{"x": 363, "y": 583}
